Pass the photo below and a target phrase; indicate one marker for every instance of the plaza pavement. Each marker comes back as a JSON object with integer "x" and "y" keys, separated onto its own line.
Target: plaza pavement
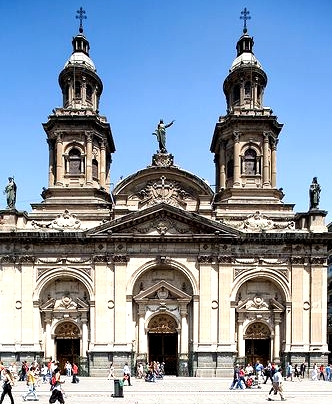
{"x": 176, "y": 390}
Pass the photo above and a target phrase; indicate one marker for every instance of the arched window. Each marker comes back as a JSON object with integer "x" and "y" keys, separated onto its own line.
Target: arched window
{"x": 66, "y": 94}
{"x": 250, "y": 162}
{"x": 236, "y": 94}
{"x": 78, "y": 89}
{"x": 95, "y": 169}
{"x": 247, "y": 88}
{"x": 74, "y": 162}
{"x": 88, "y": 92}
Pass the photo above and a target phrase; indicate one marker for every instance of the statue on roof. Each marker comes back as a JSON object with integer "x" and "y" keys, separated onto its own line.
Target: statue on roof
{"x": 160, "y": 132}
{"x": 10, "y": 191}
{"x": 314, "y": 194}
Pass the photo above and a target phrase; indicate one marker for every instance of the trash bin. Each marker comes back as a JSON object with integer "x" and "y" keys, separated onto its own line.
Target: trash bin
{"x": 118, "y": 388}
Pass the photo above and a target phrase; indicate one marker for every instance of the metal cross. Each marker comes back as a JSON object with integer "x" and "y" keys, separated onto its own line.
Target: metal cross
{"x": 245, "y": 16}
{"x": 81, "y": 16}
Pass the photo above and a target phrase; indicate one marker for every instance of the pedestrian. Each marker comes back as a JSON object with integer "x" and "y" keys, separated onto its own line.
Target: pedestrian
{"x": 314, "y": 373}
{"x": 74, "y": 371}
{"x": 328, "y": 373}
{"x": 8, "y": 383}
{"x": 126, "y": 374}
{"x": 31, "y": 383}
{"x": 321, "y": 372}
{"x": 289, "y": 373}
{"x": 236, "y": 377}
{"x": 259, "y": 370}
{"x": 68, "y": 368}
{"x": 111, "y": 372}
{"x": 297, "y": 373}
{"x": 277, "y": 385}
{"x": 303, "y": 369}
{"x": 56, "y": 388}
{"x": 268, "y": 372}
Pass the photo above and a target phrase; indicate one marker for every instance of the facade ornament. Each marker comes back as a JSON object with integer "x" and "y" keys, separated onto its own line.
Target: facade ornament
{"x": 65, "y": 303}
{"x": 205, "y": 259}
{"x": 63, "y": 221}
{"x": 314, "y": 194}
{"x": 160, "y": 133}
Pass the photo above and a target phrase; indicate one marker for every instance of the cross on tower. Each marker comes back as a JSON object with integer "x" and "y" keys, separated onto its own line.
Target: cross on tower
{"x": 245, "y": 16}
{"x": 81, "y": 16}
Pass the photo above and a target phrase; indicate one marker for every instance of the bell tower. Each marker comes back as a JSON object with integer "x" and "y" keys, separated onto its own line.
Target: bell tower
{"x": 79, "y": 139}
{"x": 245, "y": 140}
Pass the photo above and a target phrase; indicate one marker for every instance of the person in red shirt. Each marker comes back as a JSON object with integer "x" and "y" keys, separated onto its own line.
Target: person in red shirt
{"x": 75, "y": 373}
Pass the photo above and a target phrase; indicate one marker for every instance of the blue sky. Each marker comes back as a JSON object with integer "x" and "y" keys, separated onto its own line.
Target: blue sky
{"x": 167, "y": 59}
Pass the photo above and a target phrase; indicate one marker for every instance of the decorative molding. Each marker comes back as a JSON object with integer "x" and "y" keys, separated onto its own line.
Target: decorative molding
{"x": 205, "y": 259}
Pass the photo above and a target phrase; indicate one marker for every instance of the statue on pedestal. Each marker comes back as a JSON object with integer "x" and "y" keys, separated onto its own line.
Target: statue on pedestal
{"x": 10, "y": 192}
{"x": 314, "y": 194}
{"x": 160, "y": 132}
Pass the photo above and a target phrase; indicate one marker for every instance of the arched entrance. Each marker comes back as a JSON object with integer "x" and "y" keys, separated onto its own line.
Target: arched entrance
{"x": 257, "y": 343}
{"x": 163, "y": 342}
{"x": 67, "y": 339}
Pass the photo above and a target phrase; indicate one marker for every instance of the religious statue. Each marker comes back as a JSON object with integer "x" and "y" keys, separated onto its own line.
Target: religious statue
{"x": 314, "y": 194}
{"x": 10, "y": 192}
{"x": 160, "y": 132}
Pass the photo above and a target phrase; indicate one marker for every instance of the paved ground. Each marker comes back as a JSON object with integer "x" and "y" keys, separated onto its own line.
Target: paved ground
{"x": 174, "y": 390}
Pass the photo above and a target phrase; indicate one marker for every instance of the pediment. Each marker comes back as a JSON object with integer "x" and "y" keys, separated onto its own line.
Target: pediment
{"x": 259, "y": 304}
{"x": 165, "y": 220}
{"x": 162, "y": 291}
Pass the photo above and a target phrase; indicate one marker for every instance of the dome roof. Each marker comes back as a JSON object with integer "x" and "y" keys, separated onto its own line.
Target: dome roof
{"x": 246, "y": 58}
{"x": 80, "y": 58}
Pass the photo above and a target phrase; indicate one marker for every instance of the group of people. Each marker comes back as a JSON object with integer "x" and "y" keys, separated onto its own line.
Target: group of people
{"x": 321, "y": 372}
{"x": 150, "y": 373}
{"x": 32, "y": 374}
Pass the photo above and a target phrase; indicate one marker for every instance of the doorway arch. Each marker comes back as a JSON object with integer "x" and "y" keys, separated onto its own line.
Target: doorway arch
{"x": 163, "y": 342}
{"x": 67, "y": 336}
{"x": 257, "y": 343}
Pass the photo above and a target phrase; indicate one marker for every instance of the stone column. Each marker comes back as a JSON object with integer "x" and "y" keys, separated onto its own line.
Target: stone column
{"x": 49, "y": 343}
{"x": 274, "y": 163}
{"x": 92, "y": 324}
{"x": 89, "y": 158}
{"x": 85, "y": 342}
{"x": 222, "y": 168}
{"x": 102, "y": 168}
{"x": 59, "y": 160}
{"x": 50, "y": 163}
{"x": 205, "y": 299}
{"x": 240, "y": 339}
{"x": 266, "y": 173}
{"x": 236, "y": 173}
{"x": 142, "y": 337}
{"x": 120, "y": 303}
{"x": 276, "y": 341}
{"x": 184, "y": 331}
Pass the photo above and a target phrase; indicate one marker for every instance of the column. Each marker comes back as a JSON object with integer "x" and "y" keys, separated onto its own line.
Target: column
{"x": 89, "y": 158}
{"x": 59, "y": 160}
{"x": 240, "y": 339}
{"x": 236, "y": 174}
{"x": 184, "y": 331}
{"x": 85, "y": 342}
{"x": 205, "y": 300}
{"x": 142, "y": 338}
{"x": 276, "y": 342}
{"x": 48, "y": 337}
{"x": 102, "y": 168}
{"x": 266, "y": 176}
{"x": 50, "y": 163}
{"x": 274, "y": 163}
{"x": 222, "y": 162}
{"x": 121, "y": 333}
{"x": 92, "y": 324}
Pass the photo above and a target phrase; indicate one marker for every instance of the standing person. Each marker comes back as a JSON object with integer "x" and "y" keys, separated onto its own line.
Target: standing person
{"x": 111, "y": 372}
{"x": 31, "y": 382}
{"x": 236, "y": 377}
{"x": 314, "y": 373}
{"x": 321, "y": 372}
{"x": 303, "y": 369}
{"x": 268, "y": 372}
{"x": 126, "y": 374}
{"x": 74, "y": 371}
{"x": 328, "y": 373}
{"x": 277, "y": 385}
{"x": 259, "y": 370}
{"x": 8, "y": 383}
{"x": 68, "y": 368}
{"x": 297, "y": 373}
{"x": 56, "y": 388}
{"x": 289, "y": 371}
{"x": 24, "y": 369}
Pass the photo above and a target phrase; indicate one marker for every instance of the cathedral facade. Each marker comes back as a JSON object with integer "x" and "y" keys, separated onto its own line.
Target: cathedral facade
{"x": 163, "y": 267}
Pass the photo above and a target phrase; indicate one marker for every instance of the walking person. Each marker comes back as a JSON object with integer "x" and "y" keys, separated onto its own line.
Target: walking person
{"x": 111, "y": 372}
{"x": 56, "y": 388}
{"x": 8, "y": 383}
{"x": 303, "y": 368}
{"x": 277, "y": 385}
{"x": 31, "y": 382}
{"x": 126, "y": 374}
{"x": 74, "y": 371}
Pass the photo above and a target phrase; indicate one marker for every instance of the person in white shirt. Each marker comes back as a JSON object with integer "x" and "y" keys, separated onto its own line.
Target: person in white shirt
{"x": 277, "y": 385}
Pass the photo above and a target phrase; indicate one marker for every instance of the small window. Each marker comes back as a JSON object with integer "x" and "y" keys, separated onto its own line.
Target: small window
{"x": 250, "y": 162}
{"x": 74, "y": 162}
{"x": 77, "y": 89}
{"x": 95, "y": 169}
{"x": 247, "y": 89}
{"x": 236, "y": 94}
{"x": 88, "y": 92}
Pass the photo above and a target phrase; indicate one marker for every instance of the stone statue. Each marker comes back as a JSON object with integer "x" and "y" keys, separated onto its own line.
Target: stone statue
{"x": 10, "y": 192}
{"x": 160, "y": 132}
{"x": 314, "y": 194}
